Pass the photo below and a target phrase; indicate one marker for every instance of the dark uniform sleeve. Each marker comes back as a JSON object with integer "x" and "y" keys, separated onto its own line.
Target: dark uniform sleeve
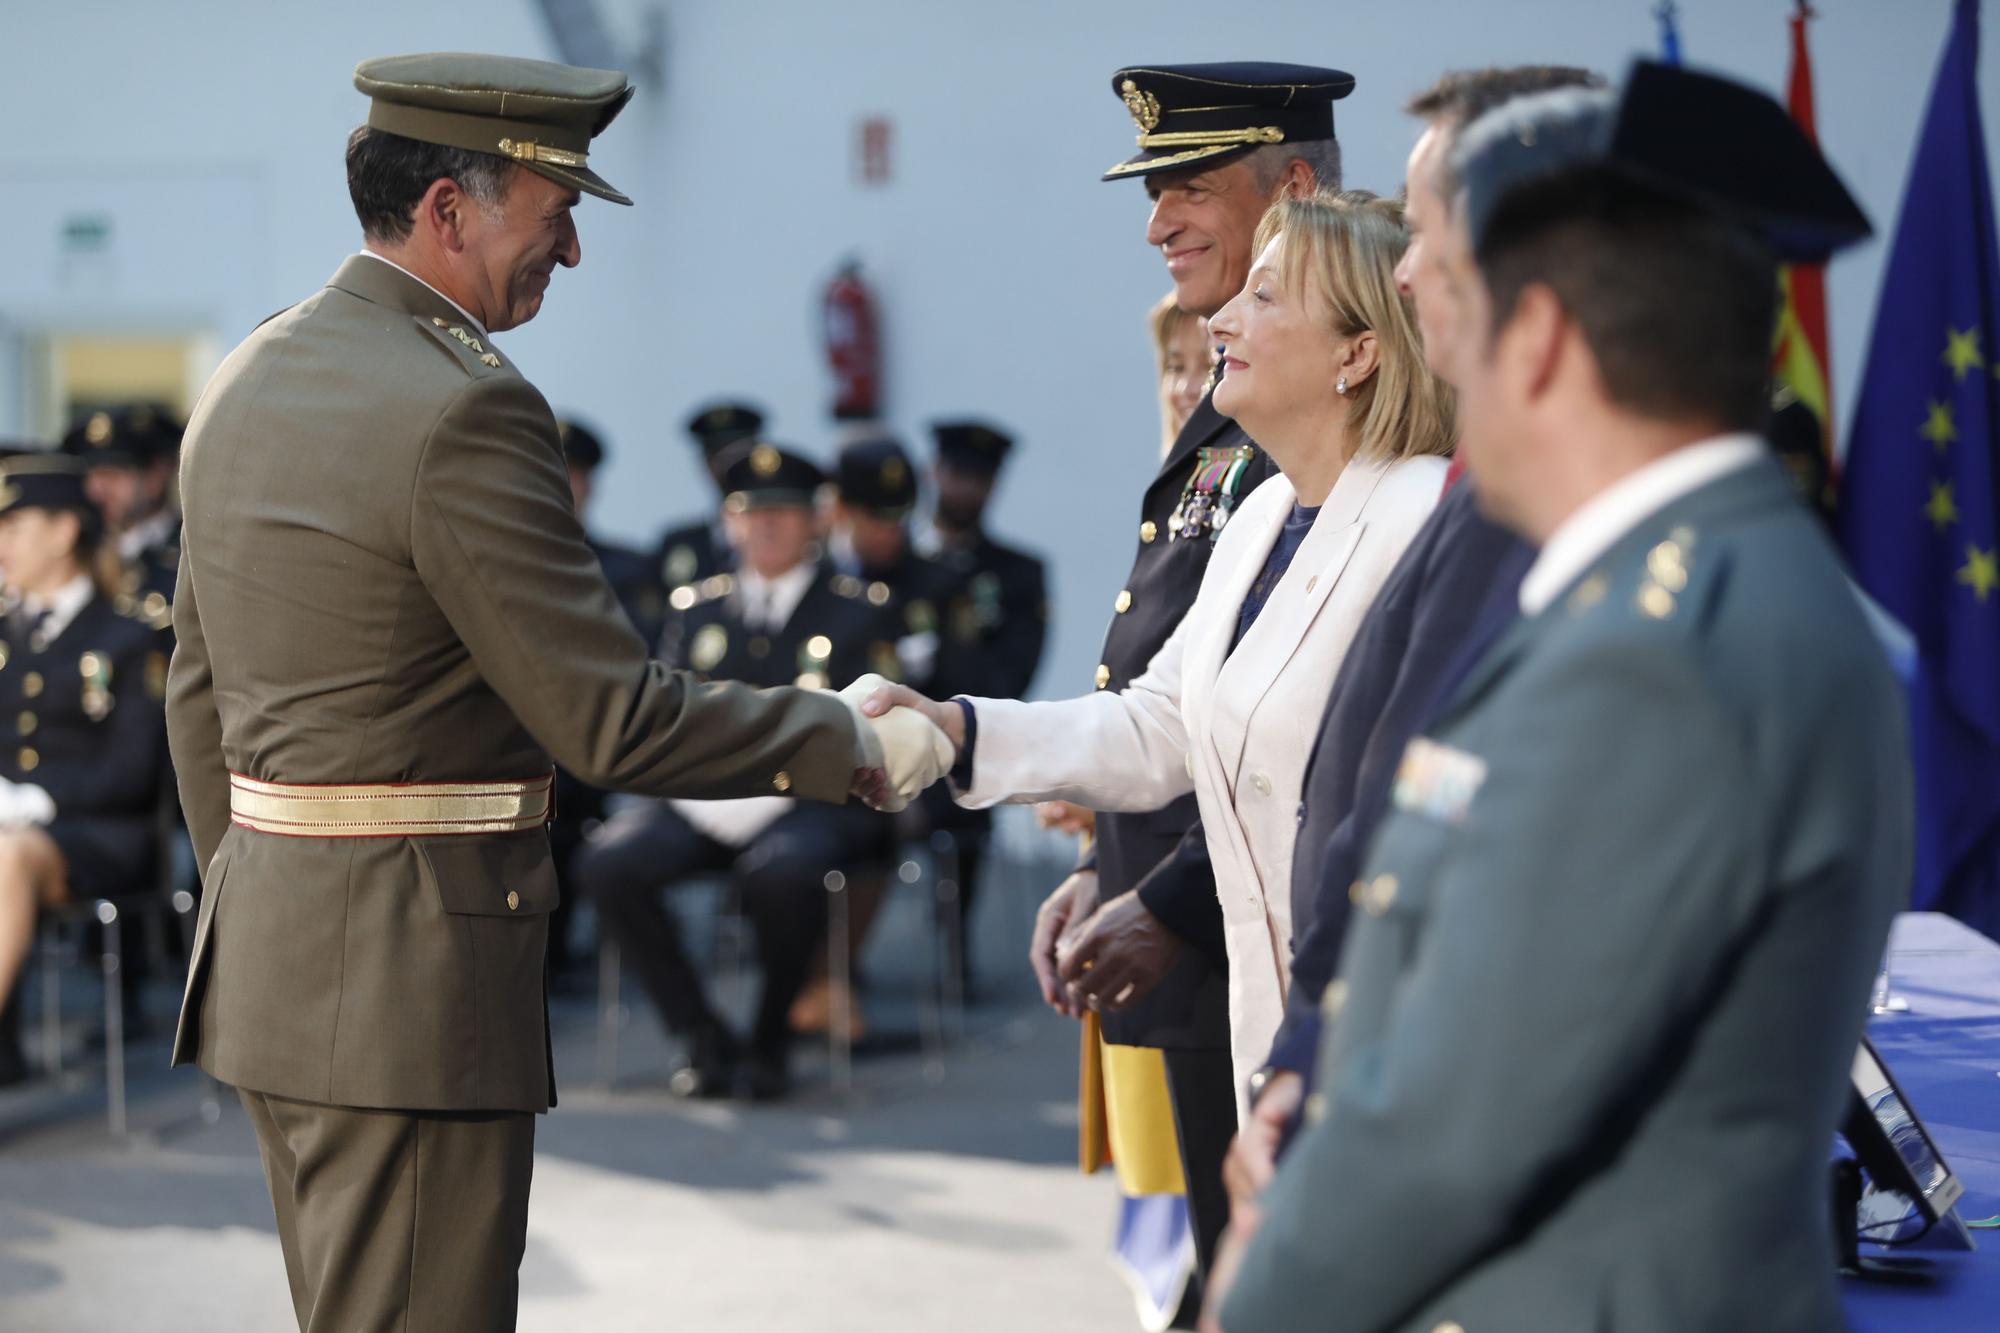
{"x": 194, "y": 729}
{"x": 1180, "y": 891}
{"x": 498, "y": 546}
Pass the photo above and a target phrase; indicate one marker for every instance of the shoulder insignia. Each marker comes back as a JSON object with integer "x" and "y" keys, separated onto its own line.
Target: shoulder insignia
{"x": 1666, "y": 578}
{"x": 465, "y": 345}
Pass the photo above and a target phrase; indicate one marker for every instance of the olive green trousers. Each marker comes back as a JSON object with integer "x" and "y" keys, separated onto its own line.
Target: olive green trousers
{"x": 403, "y": 1221}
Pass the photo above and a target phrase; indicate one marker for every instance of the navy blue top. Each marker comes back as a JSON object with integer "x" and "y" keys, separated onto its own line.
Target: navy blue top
{"x": 1290, "y": 538}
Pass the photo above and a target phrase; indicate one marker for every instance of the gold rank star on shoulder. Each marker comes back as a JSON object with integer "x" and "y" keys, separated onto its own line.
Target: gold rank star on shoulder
{"x": 471, "y": 343}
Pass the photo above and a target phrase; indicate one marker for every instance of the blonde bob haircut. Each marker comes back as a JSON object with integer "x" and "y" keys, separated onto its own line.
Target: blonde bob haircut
{"x": 1346, "y": 246}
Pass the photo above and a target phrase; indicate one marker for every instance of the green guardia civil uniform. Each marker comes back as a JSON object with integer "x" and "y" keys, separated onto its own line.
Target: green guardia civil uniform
{"x": 1610, "y": 959}
{"x": 390, "y": 628}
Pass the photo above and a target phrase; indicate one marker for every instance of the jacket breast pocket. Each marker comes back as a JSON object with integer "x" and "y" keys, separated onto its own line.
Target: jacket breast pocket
{"x": 508, "y": 875}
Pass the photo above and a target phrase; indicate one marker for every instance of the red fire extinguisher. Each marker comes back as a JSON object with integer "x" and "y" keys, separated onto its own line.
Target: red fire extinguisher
{"x": 853, "y": 346}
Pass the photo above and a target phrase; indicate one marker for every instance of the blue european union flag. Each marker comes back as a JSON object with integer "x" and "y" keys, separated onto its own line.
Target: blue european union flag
{"x": 1918, "y": 504}
{"x": 1668, "y": 14}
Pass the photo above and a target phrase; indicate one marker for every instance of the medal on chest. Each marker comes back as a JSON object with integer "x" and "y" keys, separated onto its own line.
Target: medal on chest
{"x": 1211, "y": 493}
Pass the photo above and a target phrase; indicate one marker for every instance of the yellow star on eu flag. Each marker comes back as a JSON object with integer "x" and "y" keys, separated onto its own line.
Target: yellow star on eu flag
{"x": 1942, "y": 428}
{"x": 1981, "y": 571}
{"x": 1943, "y": 508}
{"x": 1961, "y": 352}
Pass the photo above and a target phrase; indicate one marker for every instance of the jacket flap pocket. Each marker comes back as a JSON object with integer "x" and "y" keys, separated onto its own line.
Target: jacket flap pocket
{"x": 508, "y": 875}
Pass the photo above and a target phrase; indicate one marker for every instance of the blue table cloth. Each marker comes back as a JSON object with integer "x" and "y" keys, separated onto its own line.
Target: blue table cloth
{"x": 1945, "y": 1052}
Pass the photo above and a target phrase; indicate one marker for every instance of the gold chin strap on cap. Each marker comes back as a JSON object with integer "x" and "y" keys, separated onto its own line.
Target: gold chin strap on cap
{"x": 389, "y": 810}
{"x": 1212, "y": 138}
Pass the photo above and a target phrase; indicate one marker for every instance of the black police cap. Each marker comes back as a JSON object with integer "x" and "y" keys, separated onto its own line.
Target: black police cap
{"x": 875, "y": 475}
{"x": 972, "y": 446}
{"x": 131, "y": 436}
{"x": 719, "y": 425}
{"x": 1706, "y": 141}
{"x": 757, "y": 474}
{"x": 1200, "y": 116}
{"x": 582, "y": 449}
{"x": 38, "y": 479}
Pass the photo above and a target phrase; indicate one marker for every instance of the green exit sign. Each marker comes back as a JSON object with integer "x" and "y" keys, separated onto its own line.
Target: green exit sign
{"x": 86, "y": 233}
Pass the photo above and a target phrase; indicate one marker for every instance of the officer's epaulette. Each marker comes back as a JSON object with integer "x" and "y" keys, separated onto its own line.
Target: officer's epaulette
{"x": 690, "y": 595}
{"x": 463, "y": 343}
{"x": 1664, "y": 586}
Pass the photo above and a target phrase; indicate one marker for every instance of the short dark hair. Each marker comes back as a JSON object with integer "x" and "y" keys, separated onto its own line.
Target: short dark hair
{"x": 387, "y": 175}
{"x": 1464, "y": 95}
{"x": 1676, "y": 304}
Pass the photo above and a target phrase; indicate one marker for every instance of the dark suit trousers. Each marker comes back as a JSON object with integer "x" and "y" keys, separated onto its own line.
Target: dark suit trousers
{"x": 1201, "y": 1090}
{"x": 394, "y": 1220}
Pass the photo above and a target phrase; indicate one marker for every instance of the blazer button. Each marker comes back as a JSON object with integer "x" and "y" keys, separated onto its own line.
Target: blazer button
{"x": 513, "y": 901}
{"x": 1147, "y": 531}
{"x": 1261, "y": 783}
{"x": 782, "y": 782}
{"x": 1124, "y": 602}
{"x": 1103, "y": 675}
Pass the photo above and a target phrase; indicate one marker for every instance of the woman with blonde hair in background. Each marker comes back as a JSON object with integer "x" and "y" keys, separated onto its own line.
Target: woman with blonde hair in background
{"x": 1323, "y": 366}
{"x": 1186, "y": 359}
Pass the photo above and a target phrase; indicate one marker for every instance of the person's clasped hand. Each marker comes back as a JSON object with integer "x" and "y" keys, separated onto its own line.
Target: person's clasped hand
{"x": 915, "y": 751}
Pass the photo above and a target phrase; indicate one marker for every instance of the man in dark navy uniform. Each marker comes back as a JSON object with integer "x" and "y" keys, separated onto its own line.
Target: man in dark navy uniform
{"x": 782, "y": 617}
{"x": 633, "y": 575}
{"x": 700, "y": 547}
{"x": 131, "y": 455}
{"x": 1217, "y": 145}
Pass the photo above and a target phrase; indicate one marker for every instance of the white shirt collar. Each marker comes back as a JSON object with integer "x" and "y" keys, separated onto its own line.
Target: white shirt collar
{"x": 477, "y": 327}
{"x": 63, "y": 606}
{"x": 1600, "y": 521}
{"x": 767, "y": 604}
{"x": 146, "y": 534}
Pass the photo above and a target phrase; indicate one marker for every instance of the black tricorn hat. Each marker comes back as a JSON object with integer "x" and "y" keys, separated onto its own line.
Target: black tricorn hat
{"x": 875, "y": 475}
{"x": 719, "y": 425}
{"x": 757, "y": 474}
{"x": 41, "y": 479}
{"x": 1716, "y": 144}
{"x": 972, "y": 446}
{"x": 1199, "y": 116}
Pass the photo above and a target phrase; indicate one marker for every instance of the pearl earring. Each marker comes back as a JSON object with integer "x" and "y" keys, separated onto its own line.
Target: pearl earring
{"x": 1341, "y": 388}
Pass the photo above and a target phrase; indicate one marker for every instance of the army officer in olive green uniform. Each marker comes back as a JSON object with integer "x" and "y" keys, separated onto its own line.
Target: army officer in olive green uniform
{"x": 389, "y": 625}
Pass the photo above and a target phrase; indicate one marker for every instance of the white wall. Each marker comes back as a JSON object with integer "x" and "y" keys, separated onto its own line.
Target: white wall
{"x": 1013, "y": 283}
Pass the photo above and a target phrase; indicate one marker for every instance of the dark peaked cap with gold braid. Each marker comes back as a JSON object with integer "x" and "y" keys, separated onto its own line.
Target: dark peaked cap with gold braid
{"x": 539, "y": 114}
{"x": 1204, "y": 115}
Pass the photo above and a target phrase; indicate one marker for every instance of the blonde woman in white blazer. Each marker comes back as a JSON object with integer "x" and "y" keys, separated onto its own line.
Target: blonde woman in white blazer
{"x": 1323, "y": 366}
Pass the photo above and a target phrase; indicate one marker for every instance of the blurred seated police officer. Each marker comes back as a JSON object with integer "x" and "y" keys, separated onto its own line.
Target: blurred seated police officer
{"x": 700, "y": 547}
{"x": 82, "y": 682}
{"x": 1597, "y": 1009}
{"x": 778, "y": 619}
{"x": 132, "y": 454}
{"x": 633, "y": 575}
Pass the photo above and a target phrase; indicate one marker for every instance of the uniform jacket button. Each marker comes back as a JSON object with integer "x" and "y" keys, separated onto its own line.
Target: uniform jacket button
{"x": 782, "y": 782}
{"x": 1147, "y": 531}
{"x": 1123, "y": 603}
{"x": 1103, "y": 675}
{"x": 513, "y": 901}
{"x": 1449, "y": 1326}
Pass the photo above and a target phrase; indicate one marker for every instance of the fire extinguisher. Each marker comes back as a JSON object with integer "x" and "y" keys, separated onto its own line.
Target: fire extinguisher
{"x": 853, "y": 347}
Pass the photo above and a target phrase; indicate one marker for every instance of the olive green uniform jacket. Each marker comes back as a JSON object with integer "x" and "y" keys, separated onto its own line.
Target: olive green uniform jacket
{"x": 382, "y": 581}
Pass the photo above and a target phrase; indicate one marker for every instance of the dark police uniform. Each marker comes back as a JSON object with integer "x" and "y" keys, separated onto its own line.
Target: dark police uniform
{"x": 694, "y": 550}
{"x": 633, "y": 575}
{"x": 833, "y": 634}
{"x": 137, "y": 437}
{"x": 85, "y": 720}
{"x": 1191, "y": 116}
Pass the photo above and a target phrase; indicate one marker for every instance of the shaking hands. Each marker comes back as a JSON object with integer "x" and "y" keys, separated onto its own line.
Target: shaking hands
{"x": 919, "y": 739}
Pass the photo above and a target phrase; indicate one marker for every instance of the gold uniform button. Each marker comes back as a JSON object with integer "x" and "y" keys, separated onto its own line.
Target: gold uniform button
{"x": 782, "y": 782}
{"x": 1449, "y": 1326}
{"x": 513, "y": 901}
{"x": 1103, "y": 675}
{"x": 1124, "y": 602}
{"x": 25, "y": 724}
{"x": 878, "y": 594}
{"x": 1334, "y": 1000}
{"x": 1148, "y": 531}
{"x": 28, "y": 758}
{"x": 4, "y": 654}
{"x": 31, "y": 684}
{"x": 1357, "y": 891}
{"x": 1381, "y": 894}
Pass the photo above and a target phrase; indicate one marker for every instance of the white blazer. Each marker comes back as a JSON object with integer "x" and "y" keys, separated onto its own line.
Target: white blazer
{"x": 1235, "y": 727}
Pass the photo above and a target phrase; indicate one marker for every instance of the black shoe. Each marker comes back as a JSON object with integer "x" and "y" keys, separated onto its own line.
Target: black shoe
{"x": 710, "y": 1070}
{"x": 764, "y": 1078}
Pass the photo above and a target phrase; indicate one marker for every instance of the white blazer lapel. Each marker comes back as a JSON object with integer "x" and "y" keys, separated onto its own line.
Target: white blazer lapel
{"x": 1252, "y": 532}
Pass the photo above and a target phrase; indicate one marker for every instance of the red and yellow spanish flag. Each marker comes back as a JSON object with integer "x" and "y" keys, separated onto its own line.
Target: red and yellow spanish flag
{"x": 1800, "y": 361}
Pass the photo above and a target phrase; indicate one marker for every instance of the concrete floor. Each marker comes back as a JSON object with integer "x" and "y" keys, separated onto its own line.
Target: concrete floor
{"x": 921, "y": 1201}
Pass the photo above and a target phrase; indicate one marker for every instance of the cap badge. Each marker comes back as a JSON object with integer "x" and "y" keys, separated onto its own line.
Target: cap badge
{"x": 764, "y": 460}
{"x": 98, "y": 432}
{"x": 1145, "y": 107}
{"x": 894, "y": 473}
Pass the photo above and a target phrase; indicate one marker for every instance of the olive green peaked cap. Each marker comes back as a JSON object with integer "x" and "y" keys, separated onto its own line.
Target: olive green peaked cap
{"x": 540, "y": 114}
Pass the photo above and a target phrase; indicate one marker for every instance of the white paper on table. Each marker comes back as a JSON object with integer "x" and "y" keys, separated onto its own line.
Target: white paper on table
{"x": 733, "y": 823}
